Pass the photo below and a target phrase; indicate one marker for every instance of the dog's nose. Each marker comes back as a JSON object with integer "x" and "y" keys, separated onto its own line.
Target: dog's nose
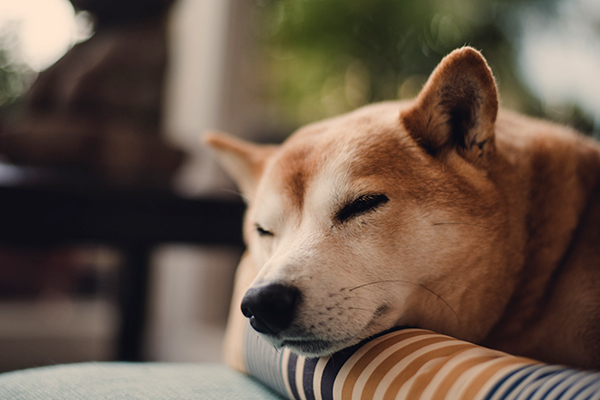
{"x": 271, "y": 307}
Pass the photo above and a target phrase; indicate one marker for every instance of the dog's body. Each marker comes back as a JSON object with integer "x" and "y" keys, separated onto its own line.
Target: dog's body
{"x": 442, "y": 213}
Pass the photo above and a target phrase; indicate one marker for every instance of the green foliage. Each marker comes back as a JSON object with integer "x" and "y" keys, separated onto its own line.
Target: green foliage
{"x": 324, "y": 57}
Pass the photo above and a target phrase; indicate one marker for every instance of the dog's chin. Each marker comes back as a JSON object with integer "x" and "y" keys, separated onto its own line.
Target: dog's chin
{"x": 314, "y": 347}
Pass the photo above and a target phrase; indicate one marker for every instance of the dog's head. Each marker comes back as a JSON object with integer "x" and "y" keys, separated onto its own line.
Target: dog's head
{"x": 385, "y": 216}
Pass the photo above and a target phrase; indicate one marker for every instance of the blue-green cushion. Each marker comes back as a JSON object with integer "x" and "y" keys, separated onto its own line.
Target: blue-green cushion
{"x": 147, "y": 381}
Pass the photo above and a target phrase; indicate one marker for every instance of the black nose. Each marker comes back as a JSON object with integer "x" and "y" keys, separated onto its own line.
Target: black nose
{"x": 271, "y": 308}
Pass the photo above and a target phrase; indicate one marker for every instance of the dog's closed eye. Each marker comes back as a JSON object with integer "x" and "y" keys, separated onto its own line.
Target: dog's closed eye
{"x": 263, "y": 232}
{"x": 361, "y": 205}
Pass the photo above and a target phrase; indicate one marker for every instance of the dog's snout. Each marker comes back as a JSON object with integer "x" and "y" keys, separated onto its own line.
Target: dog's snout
{"x": 271, "y": 308}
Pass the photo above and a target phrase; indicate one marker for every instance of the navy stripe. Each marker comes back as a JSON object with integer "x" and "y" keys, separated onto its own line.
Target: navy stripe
{"x": 332, "y": 368}
{"x": 337, "y": 361}
{"x": 589, "y": 381}
{"x": 586, "y": 386}
{"x": 292, "y": 375}
{"x": 499, "y": 387}
{"x": 532, "y": 382}
{"x": 592, "y": 391}
{"x": 549, "y": 388}
{"x": 307, "y": 377}
{"x": 567, "y": 379}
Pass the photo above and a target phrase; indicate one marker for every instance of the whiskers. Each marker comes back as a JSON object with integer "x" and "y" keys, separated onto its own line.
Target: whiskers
{"x": 409, "y": 283}
{"x": 236, "y": 192}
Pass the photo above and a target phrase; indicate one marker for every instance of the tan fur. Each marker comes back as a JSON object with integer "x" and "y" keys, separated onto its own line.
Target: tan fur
{"x": 490, "y": 233}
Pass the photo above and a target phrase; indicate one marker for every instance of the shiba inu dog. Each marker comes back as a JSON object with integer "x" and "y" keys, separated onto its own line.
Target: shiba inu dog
{"x": 443, "y": 213}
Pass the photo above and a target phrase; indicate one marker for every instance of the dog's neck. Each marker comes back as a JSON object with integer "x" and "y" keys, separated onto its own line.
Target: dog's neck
{"x": 553, "y": 182}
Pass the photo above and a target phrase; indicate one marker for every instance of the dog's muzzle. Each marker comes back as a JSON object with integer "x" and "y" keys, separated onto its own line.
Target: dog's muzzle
{"x": 271, "y": 307}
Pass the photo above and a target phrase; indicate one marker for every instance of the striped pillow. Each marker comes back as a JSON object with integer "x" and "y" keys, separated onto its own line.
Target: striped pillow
{"x": 414, "y": 364}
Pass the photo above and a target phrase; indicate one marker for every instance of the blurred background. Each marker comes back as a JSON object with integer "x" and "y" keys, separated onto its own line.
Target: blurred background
{"x": 107, "y": 96}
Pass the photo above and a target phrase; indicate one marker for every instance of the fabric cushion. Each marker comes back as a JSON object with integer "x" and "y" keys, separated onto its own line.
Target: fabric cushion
{"x": 132, "y": 381}
{"x": 414, "y": 364}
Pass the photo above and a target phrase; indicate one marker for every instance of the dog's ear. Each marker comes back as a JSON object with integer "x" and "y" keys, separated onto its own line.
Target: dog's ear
{"x": 457, "y": 108}
{"x": 243, "y": 160}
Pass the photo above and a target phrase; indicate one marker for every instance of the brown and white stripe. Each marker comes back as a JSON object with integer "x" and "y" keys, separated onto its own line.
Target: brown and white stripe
{"x": 406, "y": 364}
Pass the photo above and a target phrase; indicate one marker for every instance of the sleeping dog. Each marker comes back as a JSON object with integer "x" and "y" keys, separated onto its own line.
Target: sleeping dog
{"x": 443, "y": 212}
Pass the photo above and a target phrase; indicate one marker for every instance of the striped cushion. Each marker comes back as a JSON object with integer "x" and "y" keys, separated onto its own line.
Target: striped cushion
{"x": 414, "y": 364}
